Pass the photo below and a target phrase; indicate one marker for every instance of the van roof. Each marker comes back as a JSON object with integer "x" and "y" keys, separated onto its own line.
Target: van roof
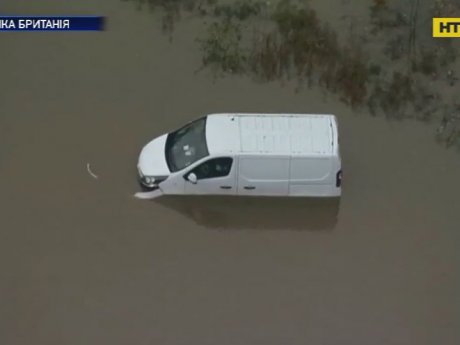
{"x": 284, "y": 134}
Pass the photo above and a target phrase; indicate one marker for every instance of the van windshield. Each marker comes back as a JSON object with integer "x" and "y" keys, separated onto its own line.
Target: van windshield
{"x": 186, "y": 145}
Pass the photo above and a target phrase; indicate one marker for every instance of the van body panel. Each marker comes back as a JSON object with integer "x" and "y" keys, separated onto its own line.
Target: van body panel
{"x": 311, "y": 170}
{"x": 263, "y": 175}
{"x": 152, "y": 159}
{"x": 286, "y": 134}
{"x": 175, "y": 183}
{"x": 222, "y": 134}
{"x": 314, "y": 190}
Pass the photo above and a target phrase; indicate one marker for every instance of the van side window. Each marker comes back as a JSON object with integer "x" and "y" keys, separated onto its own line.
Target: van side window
{"x": 216, "y": 167}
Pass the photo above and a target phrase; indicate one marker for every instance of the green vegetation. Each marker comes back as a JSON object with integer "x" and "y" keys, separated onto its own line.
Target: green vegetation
{"x": 241, "y": 9}
{"x": 221, "y": 47}
{"x": 299, "y": 44}
{"x": 286, "y": 39}
{"x": 393, "y": 96}
{"x": 449, "y": 130}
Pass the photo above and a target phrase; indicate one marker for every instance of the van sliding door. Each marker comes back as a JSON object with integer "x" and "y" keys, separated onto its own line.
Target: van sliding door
{"x": 259, "y": 175}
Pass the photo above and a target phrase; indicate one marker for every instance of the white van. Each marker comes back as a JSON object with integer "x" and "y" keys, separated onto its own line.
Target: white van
{"x": 246, "y": 154}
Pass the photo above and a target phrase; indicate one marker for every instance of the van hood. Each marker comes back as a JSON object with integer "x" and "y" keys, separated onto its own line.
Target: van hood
{"x": 152, "y": 161}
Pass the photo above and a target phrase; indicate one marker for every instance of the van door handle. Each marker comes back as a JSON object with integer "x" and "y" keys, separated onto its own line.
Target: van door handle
{"x": 249, "y": 187}
{"x": 225, "y": 187}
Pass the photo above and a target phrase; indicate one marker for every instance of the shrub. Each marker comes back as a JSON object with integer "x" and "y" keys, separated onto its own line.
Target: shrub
{"x": 222, "y": 49}
{"x": 240, "y": 10}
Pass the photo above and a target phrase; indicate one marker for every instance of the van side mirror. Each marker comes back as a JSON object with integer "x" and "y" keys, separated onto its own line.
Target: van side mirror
{"x": 192, "y": 178}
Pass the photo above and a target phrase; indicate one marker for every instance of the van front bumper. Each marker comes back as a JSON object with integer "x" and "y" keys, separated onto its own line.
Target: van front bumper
{"x": 147, "y": 188}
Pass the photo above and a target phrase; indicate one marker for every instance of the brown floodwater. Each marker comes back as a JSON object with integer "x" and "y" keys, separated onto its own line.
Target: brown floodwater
{"x": 83, "y": 262}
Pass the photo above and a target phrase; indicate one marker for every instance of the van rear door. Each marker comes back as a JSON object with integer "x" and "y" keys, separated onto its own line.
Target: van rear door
{"x": 263, "y": 175}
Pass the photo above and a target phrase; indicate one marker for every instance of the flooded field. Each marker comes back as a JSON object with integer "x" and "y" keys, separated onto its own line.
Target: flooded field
{"x": 83, "y": 262}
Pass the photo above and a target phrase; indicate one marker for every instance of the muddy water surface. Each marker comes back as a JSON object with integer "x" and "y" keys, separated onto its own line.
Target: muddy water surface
{"x": 82, "y": 262}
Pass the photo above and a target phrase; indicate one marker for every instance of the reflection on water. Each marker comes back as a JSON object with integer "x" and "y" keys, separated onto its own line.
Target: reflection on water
{"x": 227, "y": 212}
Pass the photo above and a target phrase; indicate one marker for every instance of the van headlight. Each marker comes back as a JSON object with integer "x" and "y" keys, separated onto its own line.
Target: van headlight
{"x": 152, "y": 181}
{"x": 149, "y": 179}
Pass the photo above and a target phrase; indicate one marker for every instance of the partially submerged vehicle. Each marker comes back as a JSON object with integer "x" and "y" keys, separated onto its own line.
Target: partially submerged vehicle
{"x": 246, "y": 154}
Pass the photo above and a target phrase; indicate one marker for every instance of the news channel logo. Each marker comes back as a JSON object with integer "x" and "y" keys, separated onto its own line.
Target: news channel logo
{"x": 53, "y": 23}
{"x": 446, "y": 27}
